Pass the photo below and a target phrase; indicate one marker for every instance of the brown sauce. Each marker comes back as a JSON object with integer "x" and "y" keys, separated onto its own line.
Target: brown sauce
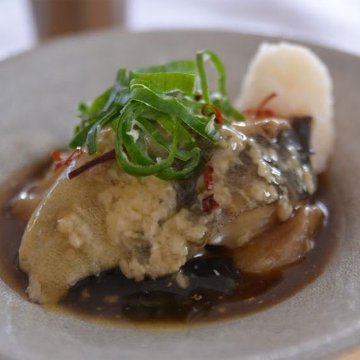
{"x": 216, "y": 289}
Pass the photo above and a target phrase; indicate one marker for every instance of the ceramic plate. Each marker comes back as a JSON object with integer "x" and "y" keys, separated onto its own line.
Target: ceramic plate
{"x": 39, "y": 93}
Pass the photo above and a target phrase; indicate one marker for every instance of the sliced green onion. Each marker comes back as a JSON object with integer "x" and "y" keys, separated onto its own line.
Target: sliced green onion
{"x": 220, "y": 98}
{"x": 201, "y": 58}
{"x": 171, "y": 106}
{"x": 158, "y": 117}
{"x": 165, "y": 82}
{"x": 97, "y": 105}
{"x": 131, "y": 165}
{"x": 91, "y": 136}
{"x": 79, "y": 138}
{"x": 154, "y": 133}
{"x": 172, "y": 174}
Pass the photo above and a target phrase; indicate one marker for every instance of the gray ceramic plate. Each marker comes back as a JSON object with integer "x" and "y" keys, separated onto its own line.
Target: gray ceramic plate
{"x": 39, "y": 92}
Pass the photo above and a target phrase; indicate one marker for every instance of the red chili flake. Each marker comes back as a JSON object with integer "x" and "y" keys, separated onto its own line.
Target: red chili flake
{"x": 56, "y": 155}
{"x": 261, "y": 111}
{"x": 210, "y": 109}
{"x": 209, "y": 177}
{"x": 218, "y": 116}
{"x": 60, "y": 162}
{"x": 110, "y": 155}
{"x": 209, "y": 203}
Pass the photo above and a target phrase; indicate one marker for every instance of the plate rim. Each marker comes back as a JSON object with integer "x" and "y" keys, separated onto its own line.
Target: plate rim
{"x": 256, "y": 36}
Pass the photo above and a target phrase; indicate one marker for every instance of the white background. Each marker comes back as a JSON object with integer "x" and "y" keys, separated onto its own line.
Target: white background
{"x": 334, "y": 23}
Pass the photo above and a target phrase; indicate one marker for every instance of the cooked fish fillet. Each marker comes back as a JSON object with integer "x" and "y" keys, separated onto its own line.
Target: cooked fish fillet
{"x": 101, "y": 220}
{"x": 260, "y": 173}
{"x": 105, "y": 218}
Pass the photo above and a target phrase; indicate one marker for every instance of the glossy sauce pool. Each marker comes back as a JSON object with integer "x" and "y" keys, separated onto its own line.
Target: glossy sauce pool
{"x": 215, "y": 288}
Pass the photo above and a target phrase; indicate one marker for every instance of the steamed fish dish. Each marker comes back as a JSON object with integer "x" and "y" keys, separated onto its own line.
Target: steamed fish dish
{"x": 180, "y": 194}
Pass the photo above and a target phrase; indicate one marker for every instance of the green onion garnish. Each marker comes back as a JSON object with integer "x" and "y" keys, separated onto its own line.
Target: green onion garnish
{"x": 159, "y": 114}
